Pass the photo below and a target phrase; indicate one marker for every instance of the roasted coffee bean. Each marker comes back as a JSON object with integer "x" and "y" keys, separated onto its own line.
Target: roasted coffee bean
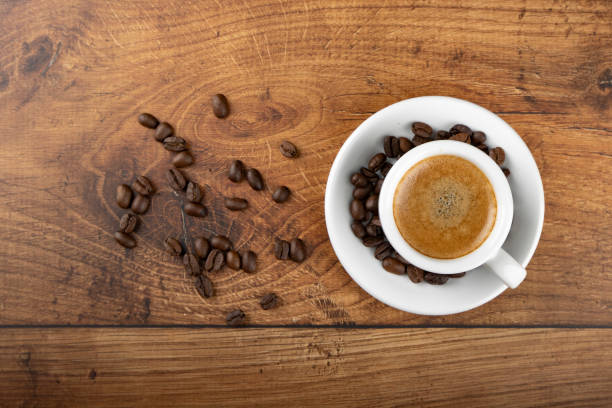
{"x": 375, "y": 221}
{"x": 359, "y": 180}
{"x": 415, "y": 274}
{"x": 423, "y": 134}
{"x": 254, "y": 179}
{"x": 358, "y": 211}
{"x": 394, "y": 266}
{"x": 297, "y": 251}
{"x": 456, "y": 275}
{"x": 235, "y": 318}
{"x": 373, "y": 230}
{"x": 220, "y": 106}
{"x": 419, "y": 140}
{"x": 175, "y": 144}
{"x": 233, "y": 260}
{"x": 434, "y": 278}
{"x": 124, "y": 239}
{"x": 249, "y": 262}
{"x": 195, "y": 209}
{"x": 368, "y": 218}
{"x": 173, "y": 246}
{"x": 281, "y": 249}
{"x": 506, "y": 172}
{"x": 420, "y": 126}
{"x": 361, "y": 193}
{"x": 281, "y": 194}
{"x": 378, "y": 186}
{"x": 385, "y": 168}
{"x": 498, "y": 155}
{"x": 128, "y": 223}
{"x": 387, "y": 145}
{"x": 210, "y": 259}
{"x": 478, "y": 138}
{"x": 269, "y": 301}
{"x": 218, "y": 262}
{"x": 176, "y": 179}
{"x": 442, "y": 135}
{"x": 358, "y": 229}
{"x": 376, "y": 161}
{"x": 369, "y": 174}
{"x": 395, "y": 149}
{"x": 201, "y": 247}
{"x": 372, "y": 242}
{"x": 140, "y": 204}
{"x": 192, "y": 266}
{"x": 182, "y": 159}
{"x": 221, "y": 242}
{"x": 460, "y": 129}
{"x": 405, "y": 144}
{"x": 484, "y": 148}
{"x": 124, "y": 196}
{"x": 400, "y": 258}
{"x": 371, "y": 203}
{"x": 148, "y": 120}
{"x": 461, "y": 137}
{"x": 236, "y": 171}
{"x": 194, "y": 192}
{"x": 162, "y": 131}
{"x": 143, "y": 185}
{"x": 288, "y": 149}
{"x": 235, "y": 203}
{"x": 383, "y": 250}
{"x": 204, "y": 286}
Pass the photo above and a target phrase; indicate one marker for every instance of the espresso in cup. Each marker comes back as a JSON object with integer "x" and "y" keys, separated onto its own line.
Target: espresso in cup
{"x": 444, "y": 207}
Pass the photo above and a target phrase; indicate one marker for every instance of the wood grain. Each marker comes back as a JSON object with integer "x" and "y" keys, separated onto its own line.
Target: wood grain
{"x": 74, "y": 75}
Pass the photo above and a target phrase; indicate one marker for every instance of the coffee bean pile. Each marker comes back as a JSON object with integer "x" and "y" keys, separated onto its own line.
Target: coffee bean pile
{"x": 367, "y": 184}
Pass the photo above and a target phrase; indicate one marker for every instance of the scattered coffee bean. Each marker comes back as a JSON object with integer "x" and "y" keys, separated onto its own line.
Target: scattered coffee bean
{"x": 143, "y": 185}
{"x": 124, "y": 196}
{"x": 506, "y": 172}
{"x": 421, "y": 127}
{"x": 373, "y": 230}
{"x": 422, "y": 134}
{"x": 484, "y": 148}
{"x": 378, "y": 186}
{"x": 281, "y": 194}
{"x": 218, "y": 262}
{"x": 376, "y": 221}
{"x": 173, "y": 246}
{"x": 269, "y": 301}
{"x": 175, "y": 144}
{"x": 359, "y": 180}
{"x": 194, "y": 192}
{"x": 478, "y": 138}
{"x": 395, "y": 149}
{"x": 297, "y": 251}
{"x": 220, "y": 106}
{"x": 415, "y": 274}
{"x": 232, "y": 258}
{"x": 361, "y": 193}
{"x": 372, "y": 242}
{"x": 442, "y": 135}
{"x": 288, "y": 149}
{"x": 371, "y": 203}
{"x": 201, "y": 247}
{"x": 405, "y": 144}
{"x": 387, "y": 145}
{"x": 460, "y": 129}
{"x": 419, "y": 140}
{"x": 385, "y": 168}
{"x": 249, "y": 261}
{"x": 434, "y": 278}
{"x": 140, "y": 204}
{"x": 254, "y": 179}
{"x": 281, "y": 249}
{"x": 358, "y": 211}
{"x": 162, "y": 131}
{"x": 124, "y": 239}
{"x": 235, "y": 318}
{"x": 383, "y": 250}
{"x": 236, "y": 171}
{"x": 236, "y": 204}
{"x": 394, "y": 266}
{"x": 498, "y": 155}
{"x": 369, "y": 174}
{"x": 176, "y": 179}
{"x": 221, "y": 242}
{"x": 128, "y": 223}
{"x": 210, "y": 259}
{"x": 461, "y": 137}
{"x": 192, "y": 266}
{"x": 358, "y": 229}
{"x": 376, "y": 161}
{"x": 204, "y": 286}
{"x": 400, "y": 258}
{"x": 195, "y": 209}
{"x": 182, "y": 159}
{"x": 456, "y": 275}
{"x": 148, "y": 120}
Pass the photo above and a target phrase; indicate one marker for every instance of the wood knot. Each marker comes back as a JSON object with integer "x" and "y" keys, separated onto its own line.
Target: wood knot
{"x": 37, "y": 55}
{"x": 604, "y": 81}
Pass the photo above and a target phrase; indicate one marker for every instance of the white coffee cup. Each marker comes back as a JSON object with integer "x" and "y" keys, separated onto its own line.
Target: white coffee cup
{"x": 489, "y": 253}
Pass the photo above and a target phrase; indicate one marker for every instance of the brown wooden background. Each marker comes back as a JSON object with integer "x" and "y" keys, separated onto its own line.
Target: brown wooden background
{"x": 75, "y": 74}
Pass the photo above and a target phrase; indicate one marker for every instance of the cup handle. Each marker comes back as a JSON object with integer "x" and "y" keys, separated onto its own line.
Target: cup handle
{"x": 507, "y": 269}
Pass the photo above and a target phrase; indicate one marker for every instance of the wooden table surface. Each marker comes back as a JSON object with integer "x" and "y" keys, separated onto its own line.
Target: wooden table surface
{"x": 85, "y": 322}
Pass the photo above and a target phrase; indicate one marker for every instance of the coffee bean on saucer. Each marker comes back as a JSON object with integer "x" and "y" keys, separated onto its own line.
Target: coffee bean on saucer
{"x": 182, "y": 159}
{"x": 384, "y": 169}
{"x": 281, "y": 249}
{"x": 220, "y": 106}
{"x": 204, "y": 286}
{"x": 235, "y": 203}
{"x": 394, "y": 266}
{"x": 201, "y": 247}
{"x": 369, "y": 174}
{"x": 254, "y": 179}
{"x": 249, "y": 261}
{"x": 478, "y": 138}
{"x": 195, "y": 209}
{"x": 361, "y": 193}
{"x": 484, "y": 148}
{"x": 498, "y": 155}
{"x": 358, "y": 211}
{"x": 376, "y": 161}
{"x": 162, "y": 131}
{"x": 235, "y": 318}
{"x": 375, "y": 221}
{"x": 221, "y": 242}
{"x": 176, "y": 179}
{"x": 373, "y": 230}
{"x": 232, "y": 259}
{"x": 415, "y": 274}
{"x": 506, "y": 172}
{"x": 175, "y": 144}
{"x": 372, "y": 242}
{"x": 461, "y": 137}
{"x": 148, "y": 120}
{"x": 405, "y": 144}
{"x": 460, "y": 129}
{"x": 383, "y": 250}
{"x": 128, "y": 223}
{"x": 194, "y": 192}
{"x": 422, "y": 134}
{"x": 173, "y": 246}
{"x": 400, "y": 258}
{"x": 192, "y": 266}
{"x": 358, "y": 229}
{"x": 281, "y": 194}
{"x": 297, "y": 251}
{"x": 456, "y": 275}
{"x": 419, "y": 140}
{"x": 140, "y": 204}
{"x": 359, "y": 180}
{"x": 269, "y": 301}
{"x": 442, "y": 135}
{"x": 387, "y": 145}
{"x": 210, "y": 259}
{"x": 236, "y": 171}
{"x": 421, "y": 127}
{"x": 124, "y": 196}
{"x": 288, "y": 149}
{"x": 395, "y": 149}
{"x": 124, "y": 239}
{"x": 371, "y": 203}
{"x": 434, "y": 278}
{"x": 143, "y": 185}
{"x": 378, "y": 186}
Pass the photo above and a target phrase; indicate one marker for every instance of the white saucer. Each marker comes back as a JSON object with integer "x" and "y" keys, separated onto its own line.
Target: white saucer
{"x": 479, "y": 285}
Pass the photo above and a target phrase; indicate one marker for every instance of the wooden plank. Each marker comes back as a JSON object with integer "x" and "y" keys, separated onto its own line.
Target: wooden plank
{"x": 73, "y": 77}
{"x": 310, "y": 367}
